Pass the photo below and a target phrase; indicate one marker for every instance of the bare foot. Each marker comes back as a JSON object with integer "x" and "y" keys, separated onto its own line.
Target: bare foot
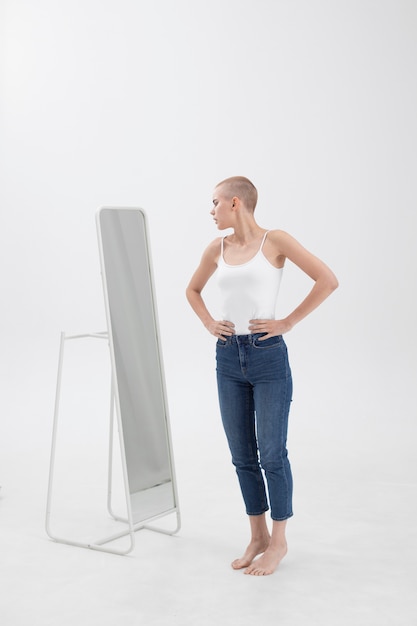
{"x": 268, "y": 562}
{"x": 254, "y": 548}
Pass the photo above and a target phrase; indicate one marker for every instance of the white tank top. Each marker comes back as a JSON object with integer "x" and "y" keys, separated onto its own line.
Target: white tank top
{"x": 249, "y": 290}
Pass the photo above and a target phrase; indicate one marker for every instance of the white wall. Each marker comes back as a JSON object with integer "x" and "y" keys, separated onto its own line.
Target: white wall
{"x": 150, "y": 103}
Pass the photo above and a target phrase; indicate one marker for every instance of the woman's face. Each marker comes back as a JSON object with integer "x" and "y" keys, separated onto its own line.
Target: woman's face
{"x": 222, "y": 211}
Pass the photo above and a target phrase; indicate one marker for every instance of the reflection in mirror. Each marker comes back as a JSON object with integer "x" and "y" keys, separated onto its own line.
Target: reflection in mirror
{"x": 137, "y": 362}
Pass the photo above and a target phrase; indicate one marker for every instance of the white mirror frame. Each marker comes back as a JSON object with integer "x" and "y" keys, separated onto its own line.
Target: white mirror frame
{"x": 133, "y": 524}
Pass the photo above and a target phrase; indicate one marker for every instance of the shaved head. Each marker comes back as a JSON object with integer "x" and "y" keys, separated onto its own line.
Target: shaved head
{"x": 240, "y": 187}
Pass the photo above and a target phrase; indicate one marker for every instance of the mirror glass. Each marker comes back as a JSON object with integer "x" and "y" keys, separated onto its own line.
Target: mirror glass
{"x": 137, "y": 361}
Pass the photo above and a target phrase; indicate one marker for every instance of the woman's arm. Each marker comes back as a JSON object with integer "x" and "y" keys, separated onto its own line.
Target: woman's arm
{"x": 324, "y": 283}
{"x": 207, "y": 267}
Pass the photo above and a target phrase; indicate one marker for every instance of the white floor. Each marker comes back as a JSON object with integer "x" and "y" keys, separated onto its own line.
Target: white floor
{"x": 342, "y": 568}
{"x": 352, "y": 544}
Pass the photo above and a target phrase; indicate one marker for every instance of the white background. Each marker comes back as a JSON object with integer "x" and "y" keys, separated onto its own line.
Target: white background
{"x": 150, "y": 104}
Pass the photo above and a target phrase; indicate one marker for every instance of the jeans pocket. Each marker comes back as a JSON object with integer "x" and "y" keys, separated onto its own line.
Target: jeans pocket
{"x": 271, "y": 342}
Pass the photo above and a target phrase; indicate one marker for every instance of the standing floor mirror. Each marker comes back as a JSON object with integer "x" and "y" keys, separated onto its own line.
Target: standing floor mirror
{"x": 138, "y": 394}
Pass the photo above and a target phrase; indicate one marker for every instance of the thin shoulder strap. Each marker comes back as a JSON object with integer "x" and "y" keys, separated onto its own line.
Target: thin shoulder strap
{"x": 263, "y": 240}
{"x": 222, "y": 247}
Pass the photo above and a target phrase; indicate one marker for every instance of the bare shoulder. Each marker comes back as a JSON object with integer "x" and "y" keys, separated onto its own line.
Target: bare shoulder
{"x": 284, "y": 243}
{"x": 276, "y": 247}
{"x": 278, "y": 236}
{"x": 212, "y": 252}
{"x": 287, "y": 247}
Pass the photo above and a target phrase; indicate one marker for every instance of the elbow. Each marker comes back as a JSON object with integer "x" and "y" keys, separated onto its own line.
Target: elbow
{"x": 332, "y": 283}
{"x": 189, "y": 293}
{"x": 328, "y": 283}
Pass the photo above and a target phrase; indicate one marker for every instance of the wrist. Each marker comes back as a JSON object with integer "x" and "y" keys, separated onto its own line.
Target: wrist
{"x": 207, "y": 322}
{"x": 289, "y": 324}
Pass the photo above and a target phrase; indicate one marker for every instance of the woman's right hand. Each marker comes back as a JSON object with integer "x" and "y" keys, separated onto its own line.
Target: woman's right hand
{"x": 221, "y": 328}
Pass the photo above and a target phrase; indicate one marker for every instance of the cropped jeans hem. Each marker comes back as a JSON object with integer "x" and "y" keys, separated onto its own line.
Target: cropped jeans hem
{"x": 258, "y": 514}
{"x": 282, "y": 519}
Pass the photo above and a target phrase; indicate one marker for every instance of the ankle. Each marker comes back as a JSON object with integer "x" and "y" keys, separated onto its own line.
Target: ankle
{"x": 277, "y": 545}
{"x": 259, "y": 537}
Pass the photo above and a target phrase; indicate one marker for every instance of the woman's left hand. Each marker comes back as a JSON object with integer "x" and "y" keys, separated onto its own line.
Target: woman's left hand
{"x": 272, "y": 328}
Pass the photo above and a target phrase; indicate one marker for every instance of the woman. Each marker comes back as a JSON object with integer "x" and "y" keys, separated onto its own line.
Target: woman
{"x": 253, "y": 374}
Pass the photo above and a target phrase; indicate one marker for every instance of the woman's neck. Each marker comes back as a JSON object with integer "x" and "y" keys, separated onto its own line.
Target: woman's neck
{"x": 246, "y": 232}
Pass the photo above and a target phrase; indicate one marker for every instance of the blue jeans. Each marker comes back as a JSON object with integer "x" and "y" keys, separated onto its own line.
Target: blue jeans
{"x": 255, "y": 391}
